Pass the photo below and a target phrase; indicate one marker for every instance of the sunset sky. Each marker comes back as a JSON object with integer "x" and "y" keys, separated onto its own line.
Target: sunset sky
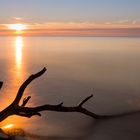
{"x": 71, "y": 17}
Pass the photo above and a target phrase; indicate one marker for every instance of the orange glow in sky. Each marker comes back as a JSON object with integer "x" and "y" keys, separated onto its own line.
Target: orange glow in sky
{"x": 118, "y": 28}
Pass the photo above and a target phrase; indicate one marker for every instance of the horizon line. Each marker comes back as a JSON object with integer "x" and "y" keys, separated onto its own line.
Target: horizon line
{"x": 95, "y": 32}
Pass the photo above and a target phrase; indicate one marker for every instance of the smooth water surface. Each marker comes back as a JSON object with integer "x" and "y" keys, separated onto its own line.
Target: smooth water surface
{"x": 107, "y": 67}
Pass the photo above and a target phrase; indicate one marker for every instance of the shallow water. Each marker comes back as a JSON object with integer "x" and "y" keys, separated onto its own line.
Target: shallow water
{"x": 107, "y": 67}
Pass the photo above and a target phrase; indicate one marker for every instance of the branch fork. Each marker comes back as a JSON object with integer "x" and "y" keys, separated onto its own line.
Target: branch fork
{"x": 21, "y": 110}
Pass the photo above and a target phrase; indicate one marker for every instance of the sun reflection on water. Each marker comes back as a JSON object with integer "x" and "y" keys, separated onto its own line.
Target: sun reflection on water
{"x": 16, "y": 76}
{"x": 19, "y": 46}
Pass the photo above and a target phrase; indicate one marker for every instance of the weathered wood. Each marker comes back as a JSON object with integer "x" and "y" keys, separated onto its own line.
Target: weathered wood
{"x": 15, "y": 109}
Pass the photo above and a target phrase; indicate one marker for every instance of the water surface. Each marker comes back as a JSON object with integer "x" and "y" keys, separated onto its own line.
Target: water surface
{"x": 107, "y": 67}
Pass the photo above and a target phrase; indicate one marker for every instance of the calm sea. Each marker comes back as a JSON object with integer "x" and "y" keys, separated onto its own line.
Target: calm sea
{"x": 107, "y": 67}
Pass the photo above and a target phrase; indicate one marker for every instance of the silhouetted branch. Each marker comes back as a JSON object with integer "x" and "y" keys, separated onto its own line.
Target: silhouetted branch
{"x": 26, "y": 83}
{"x": 30, "y": 111}
{"x": 85, "y": 100}
{"x": 1, "y": 83}
{"x": 25, "y": 100}
{"x": 15, "y": 109}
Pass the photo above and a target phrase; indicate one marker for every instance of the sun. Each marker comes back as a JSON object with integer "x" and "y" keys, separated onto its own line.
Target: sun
{"x": 17, "y": 27}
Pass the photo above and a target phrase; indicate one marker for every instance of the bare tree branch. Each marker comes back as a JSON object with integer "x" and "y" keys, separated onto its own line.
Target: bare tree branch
{"x": 26, "y": 83}
{"x": 1, "y": 83}
{"x": 15, "y": 109}
{"x": 85, "y": 100}
{"x": 25, "y": 100}
{"x": 58, "y": 108}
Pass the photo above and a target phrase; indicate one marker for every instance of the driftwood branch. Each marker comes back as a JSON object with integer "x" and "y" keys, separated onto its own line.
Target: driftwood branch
{"x": 25, "y": 101}
{"x": 21, "y": 110}
{"x": 15, "y": 109}
{"x": 85, "y": 100}
{"x": 25, "y": 84}
{"x": 1, "y": 83}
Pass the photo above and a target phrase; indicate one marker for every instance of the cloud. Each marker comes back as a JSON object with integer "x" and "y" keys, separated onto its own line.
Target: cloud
{"x": 123, "y": 21}
{"x": 137, "y": 21}
{"x": 17, "y": 18}
{"x": 108, "y": 23}
{"x": 123, "y": 28}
